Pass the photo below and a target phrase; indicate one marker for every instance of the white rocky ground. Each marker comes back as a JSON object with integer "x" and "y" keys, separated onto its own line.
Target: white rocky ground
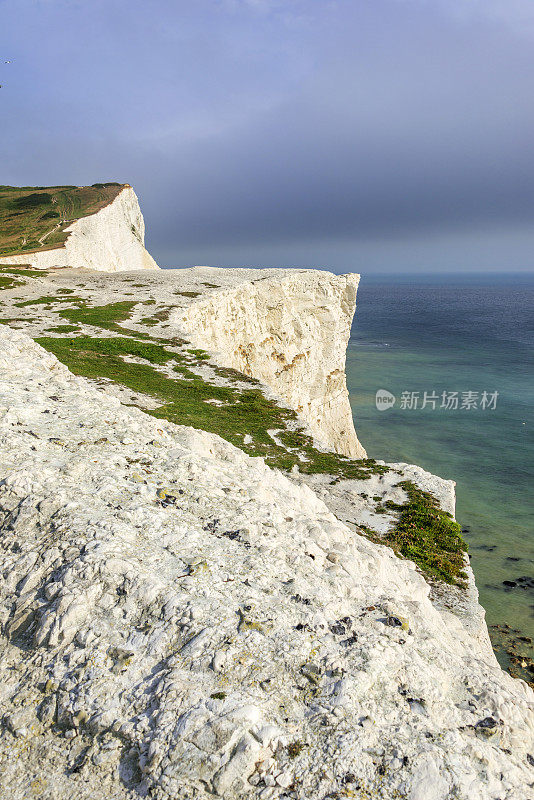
{"x": 111, "y": 240}
{"x": 288, "y": 328}
{"x": 179, "y": 621}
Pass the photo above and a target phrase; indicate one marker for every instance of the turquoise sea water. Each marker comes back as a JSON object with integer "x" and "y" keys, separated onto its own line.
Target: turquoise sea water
{"x": 458, "y": 335}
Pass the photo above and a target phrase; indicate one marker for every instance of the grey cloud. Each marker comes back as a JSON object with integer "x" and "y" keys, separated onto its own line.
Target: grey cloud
{"x": 254, "y": 130}
{"x": 362, "y": 152}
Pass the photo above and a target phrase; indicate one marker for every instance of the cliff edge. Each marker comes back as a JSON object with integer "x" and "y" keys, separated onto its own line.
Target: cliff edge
{"x": 179, "y": 620}
{"x": 110, "y": 239}
{"x": 290, "y": 330}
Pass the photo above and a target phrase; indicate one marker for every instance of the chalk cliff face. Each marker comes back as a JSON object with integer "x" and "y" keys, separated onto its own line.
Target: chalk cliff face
{"x": 290, "y": 330}
{"x": 111, "y": 240}
{"x": 179, "y": 621}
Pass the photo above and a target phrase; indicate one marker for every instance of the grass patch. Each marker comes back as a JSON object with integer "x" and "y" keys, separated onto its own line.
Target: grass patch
{"x": 188, "y": 294}
{"x": 24, "y": 271}
{"x": 107, "y": 317}
{"x": 47, "y": 300}
{"x": 100, "y": 316}
{"x": 200, "y": 354}
{"x": 9, "y": 320}
{"x": 427, "y": 535}
{"x": 294, "y": 749}
{"x": 7, "y": 282}
{"x": 234, "y": 375}
{"x": 64, "y": 329}
{"x": 158, "y": 316}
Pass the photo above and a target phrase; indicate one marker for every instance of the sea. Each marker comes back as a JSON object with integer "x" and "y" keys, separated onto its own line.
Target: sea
{"x": 456, "y": 352}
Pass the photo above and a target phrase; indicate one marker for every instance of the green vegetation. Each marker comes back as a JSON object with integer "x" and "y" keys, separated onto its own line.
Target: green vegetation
{"x": 107, "y": 317}
{"x": 188, "y": 399}
{"x": 294, "y": 749}
{"x": 9, "y": 320}
{"x": 164, "y": 369}
{"x": 35, "y": 218}
{"x": 48, "y": 300}
{"x": 7, "y": 282}
{"x": 158, "y": 316}
{"x": 233, "y": 375}
{"x": 200, "y": 354}
{"x": 427, "y": 535}
{"x": 23, "y": 271}
{"x": 64, "y": 329}
{"x": 188, "y": 294}
{"x": 101, "y": 316}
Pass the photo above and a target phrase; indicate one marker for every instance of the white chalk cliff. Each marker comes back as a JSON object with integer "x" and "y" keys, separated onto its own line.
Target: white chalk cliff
{"x": 179, "y": 621}
{"x": 111, "y": 240}
{"x": 290, "y": 330}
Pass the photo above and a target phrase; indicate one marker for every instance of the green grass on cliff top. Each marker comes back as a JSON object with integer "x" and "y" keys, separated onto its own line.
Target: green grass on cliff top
{"x": 186, "y": 398}
{"x": 28, "y": 213}
{"x": 424, "y": 533}
{"x": 239, "y": 412}
{"x": 427, "y": 535}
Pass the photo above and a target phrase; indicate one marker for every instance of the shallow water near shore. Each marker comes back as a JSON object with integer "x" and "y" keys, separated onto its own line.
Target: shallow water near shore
{"x": 452, "y": 334}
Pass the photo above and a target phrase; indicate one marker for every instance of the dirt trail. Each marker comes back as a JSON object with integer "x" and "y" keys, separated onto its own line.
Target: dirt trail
{"x": 46, "y": 235}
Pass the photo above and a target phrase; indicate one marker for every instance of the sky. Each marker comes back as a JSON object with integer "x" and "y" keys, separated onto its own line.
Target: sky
{"x": 374, "y": 136}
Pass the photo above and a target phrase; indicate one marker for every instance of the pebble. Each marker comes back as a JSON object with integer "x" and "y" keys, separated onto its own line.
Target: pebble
{"x": 285, "y": 779}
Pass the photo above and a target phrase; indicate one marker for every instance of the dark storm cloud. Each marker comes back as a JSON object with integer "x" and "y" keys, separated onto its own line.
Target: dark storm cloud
{"x": 275, "y": 125}
{"x": 398, "y": 139}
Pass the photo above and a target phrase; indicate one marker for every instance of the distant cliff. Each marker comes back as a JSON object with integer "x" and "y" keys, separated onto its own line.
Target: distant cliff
{"x": 107, "y": 234}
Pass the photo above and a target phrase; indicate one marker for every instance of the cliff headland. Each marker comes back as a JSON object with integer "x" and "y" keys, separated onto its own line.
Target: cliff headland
{"x": 208, "y": 589}
{"x": 98, "y": 227}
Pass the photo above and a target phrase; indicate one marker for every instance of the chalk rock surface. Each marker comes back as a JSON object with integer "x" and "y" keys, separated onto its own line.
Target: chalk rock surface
{"x": 180, "y": 621}
{"x": 289, "y": 329}
{"x": 111, "y": 240}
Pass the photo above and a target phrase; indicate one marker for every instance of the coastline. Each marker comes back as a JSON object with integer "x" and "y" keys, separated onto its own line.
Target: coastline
{"x": 199, "y": 594}
{"x": 492, "y": 473}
